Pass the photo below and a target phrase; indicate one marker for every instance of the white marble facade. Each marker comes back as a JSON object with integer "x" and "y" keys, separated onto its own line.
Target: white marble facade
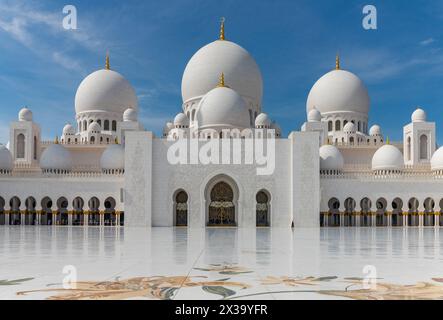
{"x": 106, "y": 169}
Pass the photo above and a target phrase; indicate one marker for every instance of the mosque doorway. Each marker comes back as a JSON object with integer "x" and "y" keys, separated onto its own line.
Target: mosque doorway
{"x": 181, "y": 209}
{"x": 262, "y": 209}
{"x": 221, "y": 205}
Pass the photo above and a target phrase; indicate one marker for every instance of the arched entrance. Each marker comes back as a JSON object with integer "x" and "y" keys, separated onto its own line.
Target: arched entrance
{"x": 62, "y": 207}
{"x": 181, "y": 209}
{"x": 94, "y": 212}
{"x": 349, "y": 216}
{"x": 110, "y": 216}
{"x": 334, "y": 212}
{"x": 380, "y": 219}
{"x": 221, "y": 211}
{"x": 14, "y": 214}
{"x": 31, "y": 215}
{"x": 262, "y": 209}
{"x": 397, "y": 212}
{"x": 46, "y": 214}
{"x": 413, "y": 212}
{"x": 77, "y": 204}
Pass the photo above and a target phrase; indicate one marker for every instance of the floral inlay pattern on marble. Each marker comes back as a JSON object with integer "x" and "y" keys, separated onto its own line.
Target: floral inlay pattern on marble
{"x": 160, "y": 287}
{"x": 167, "y": 287}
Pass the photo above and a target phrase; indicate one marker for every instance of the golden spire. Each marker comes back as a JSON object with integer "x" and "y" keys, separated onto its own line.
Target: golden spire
{"x": 337, "y": 62}
{"x": 387, "y": 140}
{"x": 221, "y": 81}
{"x": 56, "y": 140}
{"x": 107, "y": 65}
{"x": 222, "y": 28}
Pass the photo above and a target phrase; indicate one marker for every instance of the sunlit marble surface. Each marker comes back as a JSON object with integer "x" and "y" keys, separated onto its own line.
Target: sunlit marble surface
{"x": 257, "y": 261}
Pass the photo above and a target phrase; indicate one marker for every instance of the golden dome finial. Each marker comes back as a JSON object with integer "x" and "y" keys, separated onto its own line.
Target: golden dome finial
{"x": 222, "y": 28}
{"x": 337, "y": 62}
{"x": 107, "y": 65}
{"x": 221, "y": 81}
{"x": 56, "y": 140}
{"x": 387, "y": 140}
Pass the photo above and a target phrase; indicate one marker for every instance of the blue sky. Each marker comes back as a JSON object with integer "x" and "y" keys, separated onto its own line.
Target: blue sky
{"x": 150, "y": 42}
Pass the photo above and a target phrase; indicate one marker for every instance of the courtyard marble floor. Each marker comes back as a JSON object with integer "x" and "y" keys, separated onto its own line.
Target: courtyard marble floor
{"x": 220, "y": 263}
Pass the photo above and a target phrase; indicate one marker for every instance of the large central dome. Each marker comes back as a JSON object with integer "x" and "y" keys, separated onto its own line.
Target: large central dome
{"x": 105, "y": 90}
{"x": 226, "y": 57}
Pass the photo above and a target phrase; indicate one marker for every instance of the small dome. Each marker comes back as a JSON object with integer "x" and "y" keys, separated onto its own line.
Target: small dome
{"x": 375, "y": 130}
{"x": 56, "y": 157}
{"x": 25, "y": 114}
{"x": 263, "y": 120}
{"x": 276, "y": 127}
{"x": 113, "y": 158}
{"x": 130, "y": 115}
{"x": 387, "y": 157}
{"x": 6, "y": 162}
{"x": 181, "y": 120}
{"x": 418, "y": 115}
{"x": 349, "y": 128}
{"x": 437, "y": 160}
{"x": 331, "y": 158}
{"x": 223, "y": 107}
{"x": 314, "y": 115}
{"x": 68, "y": 129}
{"x": 94, "y": 127}
{"x": 168, "y": 126}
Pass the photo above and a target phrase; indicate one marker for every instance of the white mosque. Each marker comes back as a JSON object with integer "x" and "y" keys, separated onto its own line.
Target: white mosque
{"x": 108, "y": 170}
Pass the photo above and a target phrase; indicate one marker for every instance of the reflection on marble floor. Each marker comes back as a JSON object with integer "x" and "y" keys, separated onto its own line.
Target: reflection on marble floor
{"x": 230, "y": 263}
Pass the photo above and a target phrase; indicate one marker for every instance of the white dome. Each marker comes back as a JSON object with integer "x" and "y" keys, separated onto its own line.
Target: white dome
{"x": 130, "y": 115}
{"x": 338, "y": 91}
{"x": 330, "y": 158}
{"x": 56, "y": 157}
{"x": 314, "y": 115}
{"x": 375, "y": 130}
{"x": 437, "y": 160}
{"x": 222, "y": 56}
{"x": 25, "y": 114}
{"x": 349, "y": 128}
{"x": 418, "y": 115}
{"x": 181, "y": 120}
{"x": 113, "y": 158}
{"x": 105, "y": 90}
{"x": 168, "y": 126}
{"x": 68, "y": 129}
{"x": 387, "y": 157}
{"x": 94, "y": 127}
{"x": 6, "y": 162}
{"x": 263, "y": 120}
{"x": 223, "y": 107}
{"x": 275, "y": 126}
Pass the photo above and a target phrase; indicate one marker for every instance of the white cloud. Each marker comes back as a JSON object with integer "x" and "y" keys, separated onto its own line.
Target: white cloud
{"x": 23, "y": 22}
{"x": 427, "y": 41}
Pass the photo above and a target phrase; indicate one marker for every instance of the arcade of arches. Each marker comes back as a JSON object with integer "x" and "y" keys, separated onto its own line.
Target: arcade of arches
{"x": 55, "y": 212}
{"x": 404, "y": 212}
